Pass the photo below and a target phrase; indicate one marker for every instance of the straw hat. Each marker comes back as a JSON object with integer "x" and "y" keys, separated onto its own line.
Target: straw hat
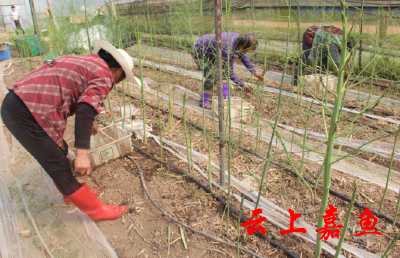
{"x": 123, "y": 58}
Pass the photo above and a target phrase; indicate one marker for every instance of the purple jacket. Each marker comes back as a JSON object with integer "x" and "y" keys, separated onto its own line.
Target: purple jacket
{"x": 12, "y": 20}
{"x": 206, "y": 45}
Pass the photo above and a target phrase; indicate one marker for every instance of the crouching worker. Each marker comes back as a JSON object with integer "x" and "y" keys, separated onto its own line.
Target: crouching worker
{"x": 204, "y": 55}
{"x": 321, "y": 44}
{"x": 36, "y": 110}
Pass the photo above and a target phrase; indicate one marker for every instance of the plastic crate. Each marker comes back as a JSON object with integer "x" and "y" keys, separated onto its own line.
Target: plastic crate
{"x": 110, "y": 143}
{"x": 240, "y": 109}
{"x": 28, "y": 46}
{"x": 5, "y": 52}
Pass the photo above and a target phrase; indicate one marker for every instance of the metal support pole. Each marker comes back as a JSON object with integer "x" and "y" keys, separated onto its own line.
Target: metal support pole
{"x": 361, "y": 35}
{"x": 218, "y": 38}
{"x": 252, "y": 14}
{"x": 53, "y": 15}
{"x": 35, "y": 23}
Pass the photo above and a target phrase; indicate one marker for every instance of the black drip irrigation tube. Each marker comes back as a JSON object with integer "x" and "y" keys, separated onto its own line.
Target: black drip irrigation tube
{"x": 354, "y": 107}
{"x": 350, "y": 121}
{"x": 242, "y": 218}
{"x": 379, "y": 85}
{"x": 343, "y": 197}
{"x": 258, "y": 60}
{"x": 172, "y": 218}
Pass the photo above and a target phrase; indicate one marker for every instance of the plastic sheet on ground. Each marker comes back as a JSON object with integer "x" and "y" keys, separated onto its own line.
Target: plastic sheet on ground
{"x": 198, "y": 75}
{"x": 274, "y": 214}
{"x": 355, "y": 166}
{"x": 351, "y": 94}
{"x": 383, "y": 149}
{"x": 136, "y": 127}
{"x": 181, "y": 56}
{"x": 128, "y": 110}
{"x": 30, "y": 201}
{"x": 361, "y": 96}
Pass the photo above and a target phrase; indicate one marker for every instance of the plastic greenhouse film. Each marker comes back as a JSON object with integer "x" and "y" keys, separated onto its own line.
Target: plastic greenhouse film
{"x": 270, "y": 210}
{"x": 11, "y": 244}
{"x": 355, "y": 166}
{"x": 79, "y": 40}
{"x": 29, "y": 201}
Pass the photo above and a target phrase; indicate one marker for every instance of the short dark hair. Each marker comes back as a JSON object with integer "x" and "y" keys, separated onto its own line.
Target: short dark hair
{"x": 108, "y": 58}
{"x": 247, "y": 41}
{"x": 351, "y": 43}
{"x": 12, "y": 6}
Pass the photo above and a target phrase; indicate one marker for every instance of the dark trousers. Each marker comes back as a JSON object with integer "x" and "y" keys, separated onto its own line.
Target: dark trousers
{"x": 21, "y": 123}
{"x": 323, "y": 62}
{"x": 18, "y": 27}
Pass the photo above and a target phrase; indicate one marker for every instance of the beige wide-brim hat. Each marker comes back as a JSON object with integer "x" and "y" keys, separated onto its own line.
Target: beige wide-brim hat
{"x": 123, "y": 58}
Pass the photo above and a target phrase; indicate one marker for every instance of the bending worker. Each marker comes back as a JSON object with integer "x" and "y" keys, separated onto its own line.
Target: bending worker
{"x": 36, "y": 109}
{"x": 321, "y": 44}
{"x": 204, "y": 55}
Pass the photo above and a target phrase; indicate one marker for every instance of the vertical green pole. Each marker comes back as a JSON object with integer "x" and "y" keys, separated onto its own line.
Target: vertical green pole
{"x": 332, "y": 130}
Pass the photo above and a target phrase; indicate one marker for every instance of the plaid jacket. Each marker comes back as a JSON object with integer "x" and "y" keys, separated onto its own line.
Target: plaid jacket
{"x": 52, "y": 93}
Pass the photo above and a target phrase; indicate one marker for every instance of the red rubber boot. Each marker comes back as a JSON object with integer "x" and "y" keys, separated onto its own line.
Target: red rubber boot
{"x": 87, "y": 202}
{"x": 68, "y": 201}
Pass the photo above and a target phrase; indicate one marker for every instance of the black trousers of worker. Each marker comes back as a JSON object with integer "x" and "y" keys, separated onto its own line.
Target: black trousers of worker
{"x": 21, "y": 123}
{"x": 18, "y": 27}
{"x": 306, "y": 52}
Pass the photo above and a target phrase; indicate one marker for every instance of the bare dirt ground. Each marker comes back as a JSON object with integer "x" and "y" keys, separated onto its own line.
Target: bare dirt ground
{"x": 304, "y": 25}
{"x": 143, "y": 227}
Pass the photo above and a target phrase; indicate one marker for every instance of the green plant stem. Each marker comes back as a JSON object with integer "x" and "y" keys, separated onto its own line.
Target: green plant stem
{"x": 392, "y": 244}
{"x": 346, "y": 223}
{"x": 390, "y": 170}
{"x": 332, "y": 131}
{"x": 278, "y": 114}
{"x": 238, "y": 235}
{"x": 189, "y": 161}
{"x": 111, "y": 112}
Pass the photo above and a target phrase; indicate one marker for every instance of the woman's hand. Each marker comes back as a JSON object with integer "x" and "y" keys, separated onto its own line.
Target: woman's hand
{"x": 95, "y": 129}
{"x": 260, "y": 76}
{"x": 82, "y": 162}
{"x": 248, "y": 89}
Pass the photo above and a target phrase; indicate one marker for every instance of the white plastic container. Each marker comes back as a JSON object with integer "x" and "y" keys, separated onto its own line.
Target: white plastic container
{"x": 110, "y": 143}
{"x": 313, "y": 82}
{"x": 240, "y": 109}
